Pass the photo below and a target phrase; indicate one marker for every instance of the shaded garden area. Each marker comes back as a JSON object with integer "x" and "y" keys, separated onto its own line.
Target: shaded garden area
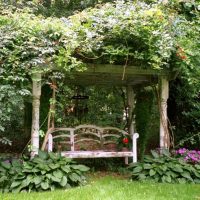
{"x": 130, "y": 65}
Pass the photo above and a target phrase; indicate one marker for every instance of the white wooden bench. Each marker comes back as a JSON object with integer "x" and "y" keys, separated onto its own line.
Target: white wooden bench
{"x": 94, "y": 141}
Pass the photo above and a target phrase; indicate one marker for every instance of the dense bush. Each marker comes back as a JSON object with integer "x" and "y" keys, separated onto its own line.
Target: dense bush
{"x": 164, "y": 168}
{"x": 43, "y": 172}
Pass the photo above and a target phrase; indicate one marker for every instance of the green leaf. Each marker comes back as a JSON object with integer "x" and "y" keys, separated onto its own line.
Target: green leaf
{"x": 181, "y": 180}
{"x": 45, "y": 185}
{"x": 137, "y": 169}
{"x": 3, "y": 178}
{"x": 2, "y": 169}
{"x": 80, "y": 167}
{"x": 53, "y": 156}
{"x": 187, "y": 175}
{"x": 54, "y": 166}
{"x": 177, "y": 168}
{"x": 55, "y": 179}
{"x": 168, "y": 179}
{"x": 152, "y": 172}
{"x": 74, "y": 177}
{"x": 141, "y": 177}
{"x": 155, "y": 154}
{"x": 63, "y": 182}
{"x": 6, "y": 165}
{"x": 15, "y": 184}
{"x": 66, "y": 168}
{"x": 58, "y": 174}
{"x": 37, "y": 180}
{"x": 197, "y": 174}
{"x": 16, "y": 163}
{"x": 43, "y": 155}
{"x": 197, "y": 181}
{"x": 147, "y": 166}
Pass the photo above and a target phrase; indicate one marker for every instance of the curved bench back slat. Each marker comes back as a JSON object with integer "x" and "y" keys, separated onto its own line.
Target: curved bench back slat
{"x": 90, "y": 134}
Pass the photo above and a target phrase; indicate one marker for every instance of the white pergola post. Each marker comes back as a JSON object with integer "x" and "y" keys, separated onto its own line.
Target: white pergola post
{"x": 164, "y": 131}
{"x": 36, "y": 92}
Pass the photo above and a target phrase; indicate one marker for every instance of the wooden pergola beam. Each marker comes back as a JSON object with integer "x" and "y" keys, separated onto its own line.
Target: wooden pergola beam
{"x": 119, "y": 69}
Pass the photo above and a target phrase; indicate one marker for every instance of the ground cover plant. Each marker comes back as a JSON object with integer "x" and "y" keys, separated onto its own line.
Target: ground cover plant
{"x": 46, "y": 171}
{"x": 165, "y": 168}
{"x": 116, "y": 188}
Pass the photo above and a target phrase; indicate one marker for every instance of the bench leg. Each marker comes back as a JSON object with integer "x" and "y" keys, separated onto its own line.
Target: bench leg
{"x": 126, "y": 160}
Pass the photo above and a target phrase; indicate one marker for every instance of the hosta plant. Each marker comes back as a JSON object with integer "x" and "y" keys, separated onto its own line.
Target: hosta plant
{"x": 46, "y": 171}
{"x": 165, "y": 168}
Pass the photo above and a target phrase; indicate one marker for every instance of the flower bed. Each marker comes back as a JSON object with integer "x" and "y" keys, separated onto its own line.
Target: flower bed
{"x": 191, "y": 156}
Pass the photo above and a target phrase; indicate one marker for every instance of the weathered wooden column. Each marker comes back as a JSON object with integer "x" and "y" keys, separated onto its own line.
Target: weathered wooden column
{"x": 131, "y": 106}
{"x": 164, "y": 131}
{"x": 36, "y": 92}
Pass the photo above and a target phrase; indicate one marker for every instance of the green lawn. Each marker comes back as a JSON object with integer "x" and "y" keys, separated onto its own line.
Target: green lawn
{"x": 115, "y": 188}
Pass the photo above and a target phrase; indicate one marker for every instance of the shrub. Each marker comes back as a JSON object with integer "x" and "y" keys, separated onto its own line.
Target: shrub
{"x": 46, "y": 171}
{"x": 164, "y": 168}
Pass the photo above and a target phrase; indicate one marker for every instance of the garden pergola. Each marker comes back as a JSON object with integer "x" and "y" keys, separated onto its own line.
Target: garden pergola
{"x": 98, "y": 74}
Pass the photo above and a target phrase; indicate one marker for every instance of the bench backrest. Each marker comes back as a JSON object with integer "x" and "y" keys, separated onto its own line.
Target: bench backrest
{"x": 85, "y": 137}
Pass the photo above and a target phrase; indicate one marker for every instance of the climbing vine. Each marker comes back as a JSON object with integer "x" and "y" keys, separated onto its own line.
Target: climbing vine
{"x": 147, "y": 35}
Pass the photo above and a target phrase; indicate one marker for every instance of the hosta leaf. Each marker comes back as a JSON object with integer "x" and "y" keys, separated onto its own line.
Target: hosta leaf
{"x": 66, "y": 168}
{"x": 54, "y": 166}
{"x": 48, "y": 176}
{"x": 197, "y": 166}
{"x": 155, "y": 154}
{"x": 141, "y": 177}
{"x": 181, "y": 180}
{"x": 15, "y": 184}
{"x": 2, "y": 169}
{"x": 137, "y": 169}
{"x": 197, "y": 180}
{"x": 177, "y": 168}
{"x": 55, "y": 179}
{"x": 197, "y": 174}
{"x": 164, "y": 168}
{"x": 43, "y": 172}
{"x": 168, "y": 179}
{"x": 37, "y": 180}
{"x": 43, "y": 155}
{"x": 58, "y": 174}
{"x": 53, "y": 156}
{"x": 45, "y": 185}
{"x": 187, "y": 175}
{"x": 3, "y": 178}
{"x": 147, "y": 166}
{"x": 63, "y": 181}
{"x": 6, "y": 165}
{"x": 152, "y": 172}
{"x": 16, "y": 163}
{"x": 80, "y": 167}
{"x": 74, "y": 177}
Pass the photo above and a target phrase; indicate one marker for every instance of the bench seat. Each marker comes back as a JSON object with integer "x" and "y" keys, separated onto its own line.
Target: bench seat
{"x": 96, "y": 154}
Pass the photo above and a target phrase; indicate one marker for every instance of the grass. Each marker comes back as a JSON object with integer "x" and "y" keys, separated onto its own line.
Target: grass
{"x": 115, "y": 188}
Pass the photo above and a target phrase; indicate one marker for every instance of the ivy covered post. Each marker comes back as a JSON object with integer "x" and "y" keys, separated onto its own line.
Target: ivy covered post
{"x": 164, "y": 131}
{"x": 36, "y": 92}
